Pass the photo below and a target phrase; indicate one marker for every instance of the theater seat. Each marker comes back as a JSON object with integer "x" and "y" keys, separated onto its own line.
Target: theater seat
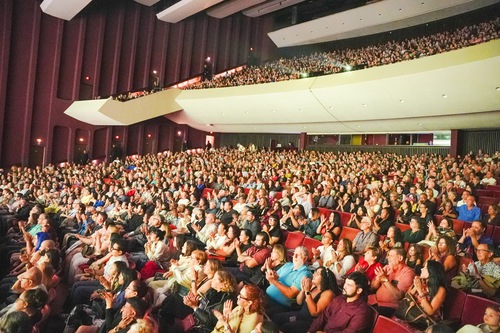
{"x": 473, "y": 311}
{"x": 325, "y": 211}
{"x": 403, "y": 226}
{"x": 348, "y": 232}
{"x": 487, "y": 201}
{"x": 496, "y": 235}
{"x": 454, "y": 306}
{"x": 385, "y": 325}
{"x": 294, "y": 239}
{"x": 311, "y": 243}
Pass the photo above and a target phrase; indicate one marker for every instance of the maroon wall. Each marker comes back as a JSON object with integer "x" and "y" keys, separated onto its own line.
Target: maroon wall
{"x": 45, "y": 62}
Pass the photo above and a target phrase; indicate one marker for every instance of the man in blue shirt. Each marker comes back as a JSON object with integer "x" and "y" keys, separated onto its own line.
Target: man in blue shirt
{"x": 285, "y": 284}
{"x": 469, "y": 212}
{"x": 472, "y": 237}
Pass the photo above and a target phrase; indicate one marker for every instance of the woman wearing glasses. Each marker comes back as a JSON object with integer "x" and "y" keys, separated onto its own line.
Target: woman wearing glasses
{"x": 245, "y": 316}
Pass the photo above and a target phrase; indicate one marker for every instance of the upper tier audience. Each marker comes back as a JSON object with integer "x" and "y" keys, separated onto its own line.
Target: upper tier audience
{"x": 336, "y": 61}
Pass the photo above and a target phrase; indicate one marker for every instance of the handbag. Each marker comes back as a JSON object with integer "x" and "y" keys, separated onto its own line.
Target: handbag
{"x": 410, "y": 311}
{"x": 188, "y": 323}
{"x": 258, "y": 279}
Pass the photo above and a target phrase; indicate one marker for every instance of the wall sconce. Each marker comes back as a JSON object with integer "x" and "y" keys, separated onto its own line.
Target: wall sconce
{"x": 179, "y": 133}
{"x": 148, "y": 136}
{"x": 117, "y": 137}
{"x": 80, "y": 139}
{"x": 38, "y": 141}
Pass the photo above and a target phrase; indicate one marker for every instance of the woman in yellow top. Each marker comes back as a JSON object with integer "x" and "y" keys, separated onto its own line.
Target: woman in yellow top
{"x": 245, "y": 316}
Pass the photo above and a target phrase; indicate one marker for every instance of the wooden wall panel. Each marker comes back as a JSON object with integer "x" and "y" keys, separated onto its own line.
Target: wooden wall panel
{"x": 21, "y": 82}
{"x": 71, "y": 58}
{"x": 128, "y": 47}
{"x": 110, "y": 63}
{"x": 45, "y": 60}
{"x": 144, "y": 47}
{"x": 94, "y": 41}
{"x": 5, "y": 33}
{"x": 187, "y": 49}
{"x": 488, "y": 141}
{"x": 199, "y": 45}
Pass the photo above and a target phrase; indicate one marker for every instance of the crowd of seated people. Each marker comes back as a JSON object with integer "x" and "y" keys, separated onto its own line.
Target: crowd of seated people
{"x": 370, "y": 56}
{"x": 336, "y": 61}
{"x": 158, "y": 241}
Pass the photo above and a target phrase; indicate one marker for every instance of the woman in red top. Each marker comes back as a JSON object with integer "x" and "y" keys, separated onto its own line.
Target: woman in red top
{"x": 368, "y": 263}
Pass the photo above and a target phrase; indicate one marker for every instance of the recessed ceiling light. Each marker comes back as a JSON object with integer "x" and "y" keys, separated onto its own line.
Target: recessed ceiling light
{"x": 331, "y": 107}
{"x": 444, "y": 96}
{"x": 497, "y": 88}
{"x": 246, "y": 112}
{"x": 301, "y": 110}
{"x": 419, "y": 124}
{"x": 401, "y": 101}
{"x": 364, "y": 105}
{"x": 358, "y": 126}
{"x": 222, "y": 114}
{"x": 272, "y": 111}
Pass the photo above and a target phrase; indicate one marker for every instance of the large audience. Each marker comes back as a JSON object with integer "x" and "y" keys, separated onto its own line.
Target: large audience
{"x": 195, "y": 241}
{"x": 374, "y": 55}
{"x": 345, "y": 59}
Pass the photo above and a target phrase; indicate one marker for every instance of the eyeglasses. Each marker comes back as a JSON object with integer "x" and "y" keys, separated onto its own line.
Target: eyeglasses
{"x": 482, "y": 250}
{"x": 115, "y": 249}
{"x": 246, "y": 299}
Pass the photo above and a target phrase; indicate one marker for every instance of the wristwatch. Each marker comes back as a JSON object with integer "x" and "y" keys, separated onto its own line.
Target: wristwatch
{"x": 308, "y": 293}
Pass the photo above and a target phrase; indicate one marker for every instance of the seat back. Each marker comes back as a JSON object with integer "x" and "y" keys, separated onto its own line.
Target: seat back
{"x": 483, "y": 193}
{"x": 473, "y": 311}
{"x": 454, "y": 304}
{"x": 495, "y": 235}
{"x": 311, "y": 243}
{"x": 384, "y": 325}
{"x": 487, "y": 201}
{"x": 294, "y": 239}
{"x": 348, "y": 232}
{"x": 206, "y": 190}
{"x": 403, "y": 226}
{"x": 40, "y": 325}
{"x": 325, "y": 211}
{"x": 458, "y": 226}
{"x": 345, "y": 218}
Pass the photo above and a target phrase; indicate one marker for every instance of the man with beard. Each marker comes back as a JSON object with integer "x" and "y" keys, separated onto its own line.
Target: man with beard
{"x": 252, "y": 259}
{"x": 348, "y": 312}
